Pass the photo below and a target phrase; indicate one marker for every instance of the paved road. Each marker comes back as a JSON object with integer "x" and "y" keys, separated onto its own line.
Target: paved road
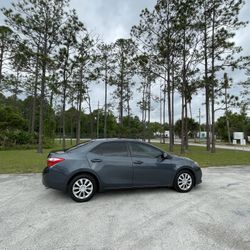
{"x": 215, "y": 215}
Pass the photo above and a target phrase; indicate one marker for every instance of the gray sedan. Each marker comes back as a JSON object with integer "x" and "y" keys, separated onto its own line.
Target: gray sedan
{"x": 105, "y": 164}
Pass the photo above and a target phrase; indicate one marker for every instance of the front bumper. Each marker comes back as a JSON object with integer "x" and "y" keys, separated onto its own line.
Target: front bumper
{"x": 198, "y": 176}
{"x": 53, "y": 178}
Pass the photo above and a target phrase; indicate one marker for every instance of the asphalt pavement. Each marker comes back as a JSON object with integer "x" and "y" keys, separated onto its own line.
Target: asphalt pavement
{"x": 214, "y": 215}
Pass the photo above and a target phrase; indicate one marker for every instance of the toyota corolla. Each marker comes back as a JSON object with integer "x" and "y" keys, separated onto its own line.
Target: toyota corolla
{"x": 105, "y": 164}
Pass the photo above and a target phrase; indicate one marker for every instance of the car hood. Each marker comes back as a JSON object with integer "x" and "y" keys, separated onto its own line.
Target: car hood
{"x": 183, "y": 160}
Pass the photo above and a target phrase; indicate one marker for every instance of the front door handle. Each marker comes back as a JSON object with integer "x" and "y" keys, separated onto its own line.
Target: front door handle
{"x": 96, "y": 160}
{"x": 138, "y": 162}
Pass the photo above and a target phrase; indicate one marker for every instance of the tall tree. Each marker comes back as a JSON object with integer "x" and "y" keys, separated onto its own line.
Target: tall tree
{"x": 144, "y": 66}
{"x": 66, "y": 62}
{"x": 106, "y": 71}
{"x": 124, "y": 52}
{"x": 219, "y": 20}
{"x": 84, "y": 73}
{"x": 40, "y": 22}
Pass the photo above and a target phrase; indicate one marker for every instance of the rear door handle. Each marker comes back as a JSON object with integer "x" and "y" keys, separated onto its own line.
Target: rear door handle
{"x": 138, "y": 162}
{"x": 96, "y": 160}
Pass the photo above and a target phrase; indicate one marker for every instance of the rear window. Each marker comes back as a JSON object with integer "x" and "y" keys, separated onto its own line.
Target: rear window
{"x": 79, "y": 146}
{"x": 111, "y": 149}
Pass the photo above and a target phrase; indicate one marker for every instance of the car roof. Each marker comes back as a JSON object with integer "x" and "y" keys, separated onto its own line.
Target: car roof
{"x": 116, "y": 139}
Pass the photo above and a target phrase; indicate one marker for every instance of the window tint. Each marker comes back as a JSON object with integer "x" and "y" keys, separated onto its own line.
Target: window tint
{"x": 144, "y": 150}
{"x": 79, "y": 146}
{"x": 111, "y": 149}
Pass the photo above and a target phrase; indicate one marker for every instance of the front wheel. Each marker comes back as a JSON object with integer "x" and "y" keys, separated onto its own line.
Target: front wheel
{"x": 184, "y": 181}
{"x": 82, "y": 188}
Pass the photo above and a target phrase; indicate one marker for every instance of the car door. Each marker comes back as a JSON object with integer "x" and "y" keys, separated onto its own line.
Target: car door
{"x": 150, "y": 169}
{"x": 112, "y": 162}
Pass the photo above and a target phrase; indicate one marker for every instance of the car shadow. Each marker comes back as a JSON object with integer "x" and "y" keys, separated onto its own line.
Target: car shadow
{"x": 55, "y": 195}
{"x": 133, "y": 192}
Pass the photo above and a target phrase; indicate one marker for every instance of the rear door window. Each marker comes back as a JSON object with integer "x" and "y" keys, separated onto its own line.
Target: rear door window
{"x": 111, "y": 149}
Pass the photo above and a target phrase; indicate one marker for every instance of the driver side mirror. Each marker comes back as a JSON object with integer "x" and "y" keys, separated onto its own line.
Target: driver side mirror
{"x": 165, "y": 155}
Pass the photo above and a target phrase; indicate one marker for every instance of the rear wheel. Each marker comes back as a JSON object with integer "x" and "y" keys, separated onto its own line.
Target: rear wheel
{"x": 82, "y": 188}
{"x": 184, "y": 181}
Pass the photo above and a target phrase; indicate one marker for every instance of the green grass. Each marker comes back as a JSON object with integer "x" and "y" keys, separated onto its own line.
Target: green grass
{"x": 222, "y": 157}
{"x": 28, "y": 161}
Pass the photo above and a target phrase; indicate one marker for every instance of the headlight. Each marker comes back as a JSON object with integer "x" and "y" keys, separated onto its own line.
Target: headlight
{"x": 196, "y": 163}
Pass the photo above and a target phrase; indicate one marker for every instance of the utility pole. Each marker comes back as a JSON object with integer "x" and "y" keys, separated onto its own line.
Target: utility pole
{"x": 97, "y": 125}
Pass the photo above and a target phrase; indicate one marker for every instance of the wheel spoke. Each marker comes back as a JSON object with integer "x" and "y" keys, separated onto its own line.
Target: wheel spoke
{"x": 77, "y": 184}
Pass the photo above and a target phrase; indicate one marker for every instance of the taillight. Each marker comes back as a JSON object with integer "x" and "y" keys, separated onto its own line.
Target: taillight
{"x": 53, "y": 161}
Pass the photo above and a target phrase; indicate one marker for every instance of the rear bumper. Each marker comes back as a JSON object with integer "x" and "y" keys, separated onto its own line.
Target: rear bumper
{"x": 53, "y": 178}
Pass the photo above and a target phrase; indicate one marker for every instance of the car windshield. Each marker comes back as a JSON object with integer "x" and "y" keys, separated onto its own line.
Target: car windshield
{"x": 81, "y": 145}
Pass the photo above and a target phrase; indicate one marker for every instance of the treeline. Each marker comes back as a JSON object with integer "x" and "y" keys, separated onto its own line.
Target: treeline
{"x": 16, "y": 124}
{"x": 184, "y": 47}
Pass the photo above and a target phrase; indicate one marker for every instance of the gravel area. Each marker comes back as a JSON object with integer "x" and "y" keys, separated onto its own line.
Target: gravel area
{"x": 214, "y": 215}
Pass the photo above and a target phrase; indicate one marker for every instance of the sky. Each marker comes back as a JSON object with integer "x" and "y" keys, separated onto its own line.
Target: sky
{"x": 113, "y": 19}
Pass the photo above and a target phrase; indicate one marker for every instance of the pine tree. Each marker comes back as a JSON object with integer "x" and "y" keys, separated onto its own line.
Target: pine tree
{"x": 124, "y": 52}
{"x": 106, "y": 69}
{"x": 40, "y": 23}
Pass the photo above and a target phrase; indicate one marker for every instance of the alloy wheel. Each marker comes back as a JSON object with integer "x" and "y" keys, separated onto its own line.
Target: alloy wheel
{"x": 82, "y": 188}
{"x": 185, "y": 181}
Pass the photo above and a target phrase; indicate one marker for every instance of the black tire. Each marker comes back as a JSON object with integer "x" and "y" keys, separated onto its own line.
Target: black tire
{"x": 178, "y": 184}
{"x": 87, "y": 193}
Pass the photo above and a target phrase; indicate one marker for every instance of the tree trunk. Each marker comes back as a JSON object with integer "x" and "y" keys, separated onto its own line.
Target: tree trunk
{"x": 207, "y": 83}
{"x": 182, "y": 123}
{"x": 183, "y": 90}
{"x": 42, "y": 97}
{"x": 186, "y": 124}
{"x": 40, "y": 135}
{"x": 34, "y": 100}
{"x": 121, "y": 92}
{"x": 143, "y": 107}
{"x": 106, "y": 97}
{"x": 1, "y": 64}
{"x": 213, "y": 82}
{"x": 98, "y": 121}
{"x": 173, "y": 88}
{"x": 63, "y": 118}
{"x": 91, "y": 115}
{"x": 169, "y": 108}
{"x": 149, "y": 107}
{"x": 226, "y": 103}
{"x": 71, "y": 128}
{"x": 78, "y": 131}
{"x": 80, "y": 99}
{"x": 161, "y": 114}
{"x": 164, "y": 107}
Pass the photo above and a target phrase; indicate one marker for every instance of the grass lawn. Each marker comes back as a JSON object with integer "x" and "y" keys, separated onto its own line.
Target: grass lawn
{"x": 222, "y": 157}
{"x": 28, "y": 161}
